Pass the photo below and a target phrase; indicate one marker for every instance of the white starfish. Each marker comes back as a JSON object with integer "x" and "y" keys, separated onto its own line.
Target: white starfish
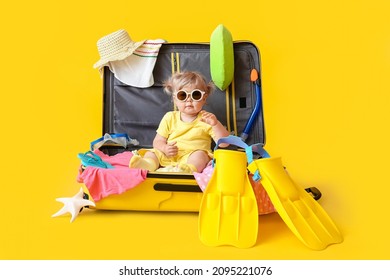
{"x": 73, "y": 205}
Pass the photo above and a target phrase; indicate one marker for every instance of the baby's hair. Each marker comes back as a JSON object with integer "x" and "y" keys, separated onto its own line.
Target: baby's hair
{"x": 180, "y": 80}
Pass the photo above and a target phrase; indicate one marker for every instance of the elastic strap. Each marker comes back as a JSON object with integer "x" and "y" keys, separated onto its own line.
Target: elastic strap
{"x": 258, "y": 148}
{"x": 232, "y": 140}
{"x": 173, "y": 70}
{"x": 177, "y": 63}
{"x": 234, "y": 108}
{"x": 227, "y": 109}
{"x": 172, "y": 63}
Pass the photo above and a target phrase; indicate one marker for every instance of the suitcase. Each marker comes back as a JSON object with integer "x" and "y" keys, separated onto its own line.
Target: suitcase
{"x": 138, "y": 111}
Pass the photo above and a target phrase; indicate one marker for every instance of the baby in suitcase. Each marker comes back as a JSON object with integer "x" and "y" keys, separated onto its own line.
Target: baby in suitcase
{"x": 183, "y": 138}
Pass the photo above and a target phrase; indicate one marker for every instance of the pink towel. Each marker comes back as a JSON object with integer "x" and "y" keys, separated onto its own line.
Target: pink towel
{"x": 118, "y": 160}
{"x": 103, "y": 182}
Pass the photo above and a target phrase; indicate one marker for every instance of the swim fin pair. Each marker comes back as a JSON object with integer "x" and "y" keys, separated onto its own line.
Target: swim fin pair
{"x": 228, "y": 213}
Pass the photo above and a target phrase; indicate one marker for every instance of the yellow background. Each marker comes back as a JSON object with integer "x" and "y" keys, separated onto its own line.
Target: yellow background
{"x": 325, "y": 70}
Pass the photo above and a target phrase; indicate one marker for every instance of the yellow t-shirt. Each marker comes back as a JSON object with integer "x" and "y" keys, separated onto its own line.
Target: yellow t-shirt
{"x": 196, "y": 135}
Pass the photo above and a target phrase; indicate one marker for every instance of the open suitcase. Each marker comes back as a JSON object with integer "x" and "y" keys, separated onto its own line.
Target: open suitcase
{"x": 226, "y": 212}
{"x": 138, "y": 111}
{"x": 228, "y": 216}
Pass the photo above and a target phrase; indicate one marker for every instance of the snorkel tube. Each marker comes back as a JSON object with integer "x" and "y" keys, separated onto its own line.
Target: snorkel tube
{"x": 254, "y": 78}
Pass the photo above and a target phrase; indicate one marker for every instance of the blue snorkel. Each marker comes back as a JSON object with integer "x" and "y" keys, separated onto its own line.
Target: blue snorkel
{"x": 256, "y": 110}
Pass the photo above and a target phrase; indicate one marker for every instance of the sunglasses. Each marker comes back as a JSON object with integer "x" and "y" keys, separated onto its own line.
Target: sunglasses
{"x": 196, "y": 95}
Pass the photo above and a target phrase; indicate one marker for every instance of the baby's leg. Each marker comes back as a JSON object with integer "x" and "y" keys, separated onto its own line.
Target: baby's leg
{"x": 196, "y": 162}
{"x": 148, "y": 162}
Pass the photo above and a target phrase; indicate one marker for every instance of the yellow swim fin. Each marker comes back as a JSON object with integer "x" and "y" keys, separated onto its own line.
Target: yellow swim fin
{"x": 303, "y": 215}
{"x": 228, "y": 214}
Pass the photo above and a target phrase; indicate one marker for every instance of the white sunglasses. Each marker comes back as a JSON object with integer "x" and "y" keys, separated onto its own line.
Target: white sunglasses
{"x": 196, "y": 95}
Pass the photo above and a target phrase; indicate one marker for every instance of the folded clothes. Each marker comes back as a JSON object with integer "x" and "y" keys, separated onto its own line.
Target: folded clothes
{"x": 113, "y": 139}
{"x": 104, "y": 182}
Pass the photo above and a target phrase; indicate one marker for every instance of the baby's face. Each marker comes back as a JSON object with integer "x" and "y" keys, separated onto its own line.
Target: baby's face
{"x": 189, "y": 100}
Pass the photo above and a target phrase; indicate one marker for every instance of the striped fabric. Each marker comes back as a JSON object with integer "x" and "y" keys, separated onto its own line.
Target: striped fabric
{"x": 149, "y": 48}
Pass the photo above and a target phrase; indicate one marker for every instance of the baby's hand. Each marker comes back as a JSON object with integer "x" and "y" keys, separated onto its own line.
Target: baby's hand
{"x": 171, "y": 149}
{"x": 208, "y": 118}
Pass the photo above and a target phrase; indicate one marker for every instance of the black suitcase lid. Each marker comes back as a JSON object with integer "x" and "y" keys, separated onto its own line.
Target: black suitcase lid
{"x": 138, "y": 111}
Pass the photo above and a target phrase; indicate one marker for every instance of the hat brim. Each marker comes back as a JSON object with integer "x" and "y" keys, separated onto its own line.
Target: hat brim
{"x": 118, "y": 56}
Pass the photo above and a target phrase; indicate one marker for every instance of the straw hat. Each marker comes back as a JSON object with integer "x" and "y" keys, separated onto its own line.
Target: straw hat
{"x": 115, "y": 46}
